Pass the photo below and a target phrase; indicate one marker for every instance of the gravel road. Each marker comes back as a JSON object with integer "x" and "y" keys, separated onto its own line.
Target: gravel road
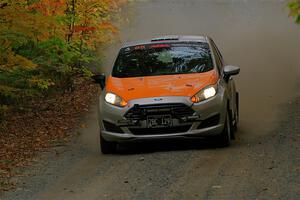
{"x": 264, "y": 160}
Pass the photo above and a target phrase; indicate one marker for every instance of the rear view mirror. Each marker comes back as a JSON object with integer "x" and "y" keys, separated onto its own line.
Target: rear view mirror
{"x": 100, "y": 79}
{"x": 230, "y": 70}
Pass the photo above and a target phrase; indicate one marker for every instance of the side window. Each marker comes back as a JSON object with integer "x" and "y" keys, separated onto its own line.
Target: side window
{"x": 219, "y": 53}
{"x": 217, "y": 57}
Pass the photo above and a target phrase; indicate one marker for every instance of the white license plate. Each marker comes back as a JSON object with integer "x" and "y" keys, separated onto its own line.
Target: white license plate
{"x": 159, "y": 121}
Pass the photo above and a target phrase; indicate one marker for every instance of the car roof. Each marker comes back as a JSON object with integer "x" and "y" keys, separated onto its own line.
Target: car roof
{"x": 168, "y": 39}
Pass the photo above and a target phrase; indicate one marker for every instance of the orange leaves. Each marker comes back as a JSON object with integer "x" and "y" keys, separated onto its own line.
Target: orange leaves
{"x": 89, "y": 22}
{"x": 20, "y": 20}
{"x": 49, "y": 7}
{"x": 84, "y": 29}
{"x": 84, "y": 24}
{"x": 109, "y": 26}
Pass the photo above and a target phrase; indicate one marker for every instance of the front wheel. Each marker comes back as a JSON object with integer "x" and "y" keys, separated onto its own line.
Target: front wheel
{"x": 237, "y": 113}
{"x": 106, "y": 146}
{"x": 225, "y": 137}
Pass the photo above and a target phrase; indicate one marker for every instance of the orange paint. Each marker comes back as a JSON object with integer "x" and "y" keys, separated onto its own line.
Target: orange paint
{"x": 195, "y": 99}
{"x": 158, "y": 86}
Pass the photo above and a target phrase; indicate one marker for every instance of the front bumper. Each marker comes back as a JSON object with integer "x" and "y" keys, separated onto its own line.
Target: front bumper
{"x": 207, "y": 120}
{"x": 117, "y": 137}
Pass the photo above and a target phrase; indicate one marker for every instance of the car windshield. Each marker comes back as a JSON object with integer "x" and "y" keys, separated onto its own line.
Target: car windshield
{"x": 163, "y": 59}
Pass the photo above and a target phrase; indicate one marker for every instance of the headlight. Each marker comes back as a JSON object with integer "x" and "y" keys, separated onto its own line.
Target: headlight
{"x": 114, "y": 99}
{"x": 204, "y": 94}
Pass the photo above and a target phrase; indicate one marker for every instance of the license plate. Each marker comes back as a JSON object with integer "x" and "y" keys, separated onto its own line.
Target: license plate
{"x": 159, "y": 121}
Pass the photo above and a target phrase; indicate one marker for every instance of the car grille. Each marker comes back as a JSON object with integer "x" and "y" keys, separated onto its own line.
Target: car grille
{"x": 156, "y": 131}
{"x": 176, "y": 110}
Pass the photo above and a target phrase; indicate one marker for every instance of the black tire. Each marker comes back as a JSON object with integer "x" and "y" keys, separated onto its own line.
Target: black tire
{"x": 224, "y": 138}
{"x": 233, "y": 126}
{"x": 237, "y": 116}
{"x": 107, "y": 147}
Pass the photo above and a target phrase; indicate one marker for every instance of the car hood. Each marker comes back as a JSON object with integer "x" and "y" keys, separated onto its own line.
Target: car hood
{"x": 158, "y": 86}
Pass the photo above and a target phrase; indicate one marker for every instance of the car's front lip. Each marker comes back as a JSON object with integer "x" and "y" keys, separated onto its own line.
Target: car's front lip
{"x": 210, "y": 131}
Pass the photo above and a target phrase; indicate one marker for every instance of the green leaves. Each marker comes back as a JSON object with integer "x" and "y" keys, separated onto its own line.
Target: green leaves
{"x": 294, "y": 7}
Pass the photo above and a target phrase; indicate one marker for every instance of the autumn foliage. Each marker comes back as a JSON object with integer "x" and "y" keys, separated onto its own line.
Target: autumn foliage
{"x": 295, "y": 10}
{"x": 45, "y": 44}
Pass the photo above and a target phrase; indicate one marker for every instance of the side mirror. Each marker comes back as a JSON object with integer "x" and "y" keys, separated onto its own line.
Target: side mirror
{"x": 230, "y": 70}
{"x": 100, "y": 79}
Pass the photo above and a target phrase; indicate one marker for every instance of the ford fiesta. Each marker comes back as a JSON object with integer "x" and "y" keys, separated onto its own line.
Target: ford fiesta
{"x": 168, "y": 87}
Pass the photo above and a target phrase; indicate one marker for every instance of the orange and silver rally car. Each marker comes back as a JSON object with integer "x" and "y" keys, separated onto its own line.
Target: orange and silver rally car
{"x": 168, "y": 87}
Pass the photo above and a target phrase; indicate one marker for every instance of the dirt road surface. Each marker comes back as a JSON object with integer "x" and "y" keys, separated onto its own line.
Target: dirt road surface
{"x": 262, "y": 163}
